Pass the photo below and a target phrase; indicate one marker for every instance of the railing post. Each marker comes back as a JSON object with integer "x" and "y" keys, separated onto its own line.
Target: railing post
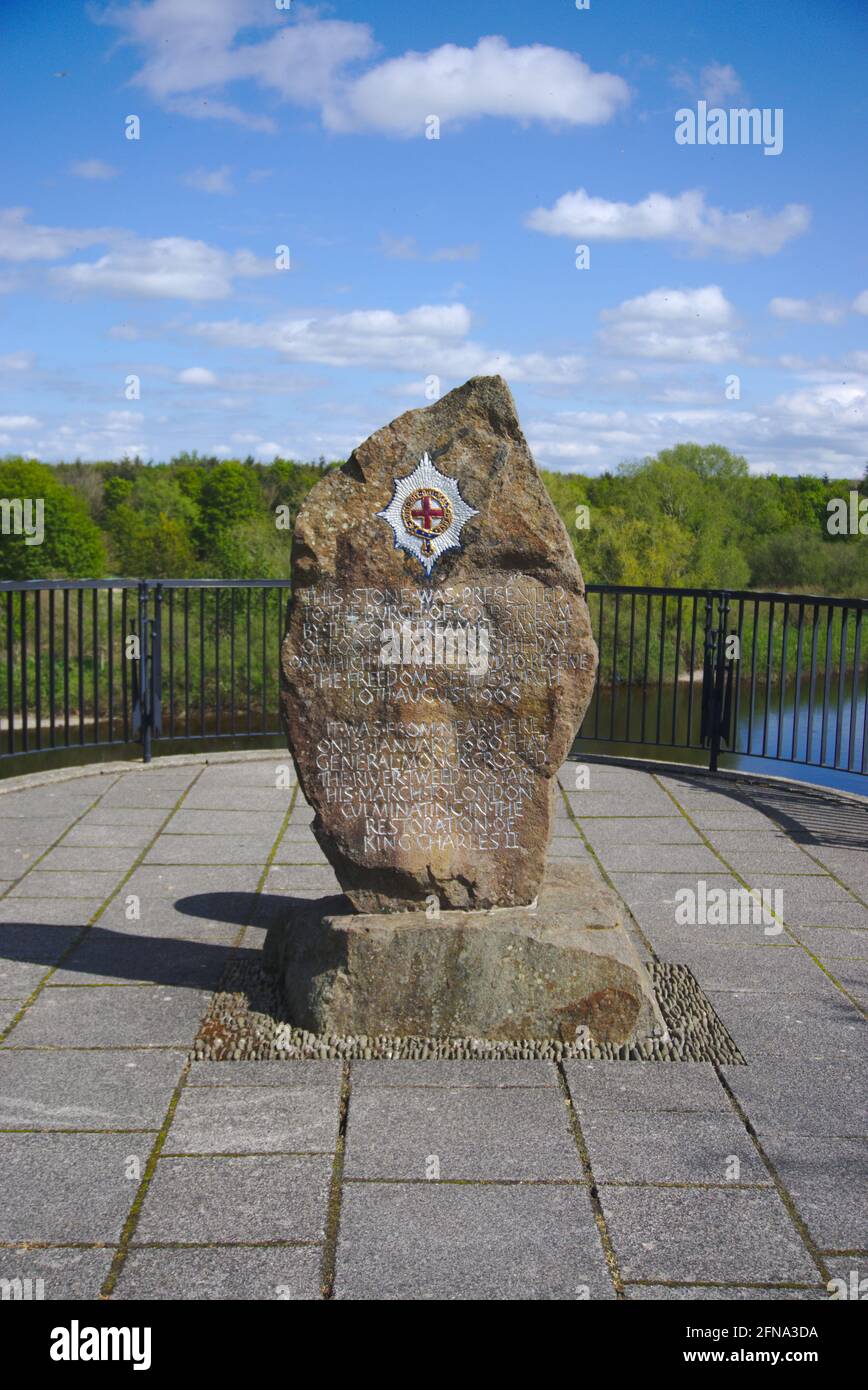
{"x": 144, "y": 671}
{"x": 716, "y": 711}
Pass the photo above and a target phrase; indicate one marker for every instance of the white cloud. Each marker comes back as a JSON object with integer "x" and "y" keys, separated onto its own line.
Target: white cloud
{"x": 717, "y": 82}
{"x": 193, "y": 50}
{"x": 831, "y": 406}
{"x": 113, "y": 434}
{"x": 17, "y": 361}
{"x": 93, "y": 169}
{"x": 430, "y": 338}
{"x": 17, "y": 422}
{"x": 685, "y": 218}
{"x": 818, "y": 430}
{"x": 860, "y": 303}
{"x": 197, "y": 376}
{"x": 22, "y": 241}
{"x": 166, "y": 268}
{"x": 210, "y": 180}
{"x": 673, "y": 325}
{"x": 821, "y": 310}
{"x": 532, "y": 83}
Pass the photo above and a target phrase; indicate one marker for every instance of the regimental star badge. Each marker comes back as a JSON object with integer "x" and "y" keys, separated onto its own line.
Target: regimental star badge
{"x": 426, "y": 513}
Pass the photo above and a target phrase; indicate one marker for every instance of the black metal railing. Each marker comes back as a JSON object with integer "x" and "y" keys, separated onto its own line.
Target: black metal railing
{"x": 95, "y": 668}
{"x": 749, "y": 675}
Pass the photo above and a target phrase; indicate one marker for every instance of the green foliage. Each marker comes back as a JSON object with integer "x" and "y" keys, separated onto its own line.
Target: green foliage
{"x": 71, "y": 548}
{"x": 691, "y": 517}
{"x": 694, "y": 517}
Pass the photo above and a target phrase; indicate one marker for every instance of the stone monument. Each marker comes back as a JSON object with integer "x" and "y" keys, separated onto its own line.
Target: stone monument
{"x": 437, "y": 665}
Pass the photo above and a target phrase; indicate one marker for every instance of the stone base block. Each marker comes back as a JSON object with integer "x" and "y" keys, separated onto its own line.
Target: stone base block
{"x": 512, "y": 973}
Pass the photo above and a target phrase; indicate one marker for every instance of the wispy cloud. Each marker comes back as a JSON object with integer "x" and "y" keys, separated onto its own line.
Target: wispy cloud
{"x": 210, "y": 180}
{"x": 685, "y": 219}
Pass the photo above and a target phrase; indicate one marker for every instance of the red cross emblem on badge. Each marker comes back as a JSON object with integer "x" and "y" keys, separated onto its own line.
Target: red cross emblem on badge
{"x": 426, "y": 513}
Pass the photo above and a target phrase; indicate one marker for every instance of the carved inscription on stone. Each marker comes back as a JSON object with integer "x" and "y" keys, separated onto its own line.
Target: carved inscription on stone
{"x": 434, "y": 675}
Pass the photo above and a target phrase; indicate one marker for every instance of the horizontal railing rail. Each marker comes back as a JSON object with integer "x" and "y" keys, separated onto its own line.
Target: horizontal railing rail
{"x": 112, "y": 664}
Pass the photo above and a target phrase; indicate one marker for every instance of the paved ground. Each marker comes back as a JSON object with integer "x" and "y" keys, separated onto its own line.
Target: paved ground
{"x": 126, "y": 1170}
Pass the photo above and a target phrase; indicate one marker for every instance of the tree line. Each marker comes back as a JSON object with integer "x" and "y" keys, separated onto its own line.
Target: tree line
{"x": 691, "y": 516}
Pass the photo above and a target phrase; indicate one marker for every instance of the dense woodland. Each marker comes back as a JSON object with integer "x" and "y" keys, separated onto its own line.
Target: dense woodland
{"x": 691, "y": 516}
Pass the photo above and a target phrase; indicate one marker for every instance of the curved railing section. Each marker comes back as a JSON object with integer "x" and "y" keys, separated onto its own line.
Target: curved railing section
{"x": 126, "y": 667}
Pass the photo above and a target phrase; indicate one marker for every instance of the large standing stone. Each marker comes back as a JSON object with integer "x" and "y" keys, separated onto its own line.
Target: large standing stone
{"x": 438, "y": 659}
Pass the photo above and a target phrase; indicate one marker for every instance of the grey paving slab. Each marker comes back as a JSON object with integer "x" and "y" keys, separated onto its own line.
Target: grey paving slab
{"x": 223, "y": 1272}
{"x": 852, "y": 974}
{"x": 423, "y": 1241}
{"x": 87, "y": 883}
{"x": 139, "y": 818}
{"x": 830, "y": 942}
{"x": 260, "y": 1198}
{"x": 491, "y": 1133}
{"x": 294, "y": 878}
{"x": 637, "y": 830}
{"x": 790, "y": 971}
{"x": 800, "y": 1096}
{"x": 621, "y": 1086}
{"x": 86, "y": 1090}
{"x": 85, "y": 859}
{"x": 301, "y": 815}
{"x": 27, "y": 952}
{"x": 292, "y": 1074}
{"x": 184, "y": 881}
{"x": 671, "y": 940}
{"x": 97, "y": 836}
{"x": 48, "y": 912}
{"x": 210, "y": 849}
{"x": 153, "y": 791}
{"x": 8, "y": 1009}
{"x": 722, "y": 1293}
{"x": 453, "y": 1073}
{"x": 717, "y": 815}
{"x": 841, "y": 913}
{"x": 256, "y": 1119}
{"x": 38, "y": 831}
{"x": 817, "y": 891}
{"x": 302, "y": 833}
{"x": 69, "y": 1188}
{"x": 659, "y": 858}
{"x": 299, "y": 852}
{"x": 765, "y": 869}
{"x": 638, "y": 1146}
{"x": 16, "y": 861}
{"x": 757, "y": 841}
{"x": 261, "y": 824}
{"x": 211, "y": 797}
{"x": 661, "y": 887}
{"x": 841, "y": 859}
{"x": 820, "y": 1026}
{"x": 604, "y": 775}
{"x": 648, "y": 800}
{"x": 61, "y": 802}
{"x": 164, "y": 917}
{"x": 734, "y": 1236}
{"x": 58, "y": 1274}
{"x": 111, "y": 1016}
{"x": 116, "y": 958}
{"x": 828, "y": 1180}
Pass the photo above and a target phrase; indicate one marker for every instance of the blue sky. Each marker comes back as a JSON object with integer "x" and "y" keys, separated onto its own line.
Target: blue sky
{"x": 415, "y": 262}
